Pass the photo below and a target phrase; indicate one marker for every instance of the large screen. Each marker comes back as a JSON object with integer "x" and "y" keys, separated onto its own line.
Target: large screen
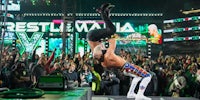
{"x": 181, "y": 34}
{"x": 9, "y": 37}
{"x": 13, "y": 5}
{"x": 57, "y": 43}
{"x": 130, "y": 35}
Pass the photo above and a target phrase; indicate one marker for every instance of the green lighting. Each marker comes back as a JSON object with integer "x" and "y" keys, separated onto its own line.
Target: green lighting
{"x": 29, "y": 44}
{"x": 48, "y": 2}
{"x": 33, "y": 2}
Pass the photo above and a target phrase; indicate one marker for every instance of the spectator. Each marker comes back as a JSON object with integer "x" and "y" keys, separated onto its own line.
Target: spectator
{"x": 177, "y": 86}
{"x": 96, "y": 81}
{"x": 110, "y": 83}
{"x": 38, "y": 70}
{"x": 152, "y": 88}
{"x": 85, "y": 76}
{"x": 5, "y": 76}
{"x": 71, "y": 76}
{"x": 20, "y": 77}
{"x": 197, "y": 86}
{"x": 159, "y": 68}
{"x": 56, "y": 70}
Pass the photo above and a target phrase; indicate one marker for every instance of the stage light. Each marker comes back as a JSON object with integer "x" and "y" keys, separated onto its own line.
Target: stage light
{"x": 48, "y": 2}
{"x": 68, "y": 34}
{"x": 33, "y": 2}
{"x": 13, "y": 44}
{"x": 191, "y": 11}
{"x": 47, "y": 45}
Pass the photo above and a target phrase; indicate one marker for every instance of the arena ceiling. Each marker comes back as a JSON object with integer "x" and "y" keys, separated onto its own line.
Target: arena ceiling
{"x": 168, "y": 7}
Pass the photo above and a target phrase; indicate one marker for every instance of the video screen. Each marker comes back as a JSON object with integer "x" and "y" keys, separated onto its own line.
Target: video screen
{"x": 137, "y": 40}
{"x": 82, "y": 46}
{"x": 132, "y": 35}
{"x": 58, "y": 44}
{"x": 21, "y": 47}
{"x": 181, "y": 23}
{"x": 13, "y": 5}
{"x": 180, "y": 34}
{"x": 7, "y": 42}
{"x": 181, "y": 27}
{"x": 9, "y": 35}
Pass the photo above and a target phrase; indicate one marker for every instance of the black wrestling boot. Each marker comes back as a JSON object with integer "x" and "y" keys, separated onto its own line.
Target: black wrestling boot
{"x": 108, "y": 9}
{"x": 102, "y": 8}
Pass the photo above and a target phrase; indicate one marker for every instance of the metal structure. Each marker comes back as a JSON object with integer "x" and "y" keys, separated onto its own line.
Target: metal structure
{"x": 3, "y": 20}
{"x": 66, "y": 8}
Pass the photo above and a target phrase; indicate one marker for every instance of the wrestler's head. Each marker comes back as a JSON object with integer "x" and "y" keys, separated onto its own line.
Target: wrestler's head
{"x": 97, "y": 52}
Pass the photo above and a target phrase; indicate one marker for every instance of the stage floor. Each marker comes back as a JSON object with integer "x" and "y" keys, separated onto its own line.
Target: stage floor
{"x": 153, "y": 98}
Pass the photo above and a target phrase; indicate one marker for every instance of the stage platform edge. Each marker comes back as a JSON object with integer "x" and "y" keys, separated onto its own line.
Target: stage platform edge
{"x": 80, "y": 93}
{"x": 102, "y": 97}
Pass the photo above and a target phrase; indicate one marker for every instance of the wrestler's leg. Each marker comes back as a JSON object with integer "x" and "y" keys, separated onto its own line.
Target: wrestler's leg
{"x": 110, "y": 28}
{"x": 94, "y": 37}
{"x": 99, "y": 34}
{"x": 130, "y": 70}
{"x": 131, "y": 93}
{"x": 104, "y": 11}
{"x": 143, "y": 85}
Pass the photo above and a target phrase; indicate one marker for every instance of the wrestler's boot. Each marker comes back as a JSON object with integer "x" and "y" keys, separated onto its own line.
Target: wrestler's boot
{"x": 143, "y": 85}
{"x": 102, "y": 8}
{"x": 131, "y": 92}
{"x": 105, "y": 15}
{"x": 108, "y": 9}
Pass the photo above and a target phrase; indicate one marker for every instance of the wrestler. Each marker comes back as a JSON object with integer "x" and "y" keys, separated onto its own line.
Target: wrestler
{"x": 103, "y": 44}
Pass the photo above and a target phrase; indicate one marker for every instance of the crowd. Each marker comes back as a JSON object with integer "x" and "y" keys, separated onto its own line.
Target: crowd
{"x": 173, "y": 75}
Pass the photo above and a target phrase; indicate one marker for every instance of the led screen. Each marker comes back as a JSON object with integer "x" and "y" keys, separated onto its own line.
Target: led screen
{"x": 13, "y": 5}
{"x": 57, "y": 43}
{"x": 180, "y": 34}
{"x": 130, "y": 35}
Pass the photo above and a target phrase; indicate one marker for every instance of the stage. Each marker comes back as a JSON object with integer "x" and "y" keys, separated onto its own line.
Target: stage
{"x": 153, "y": 98}
{"x": 72, "y": 94}
{"x": 85, "y": 93}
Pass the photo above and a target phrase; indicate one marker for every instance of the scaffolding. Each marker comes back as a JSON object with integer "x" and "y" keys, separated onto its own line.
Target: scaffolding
{"x": 3, "y": 20}
{"x": 66, "y": 9}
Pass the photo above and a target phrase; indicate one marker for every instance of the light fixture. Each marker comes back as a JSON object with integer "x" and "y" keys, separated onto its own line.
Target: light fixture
{"x": 191, "y": 11}
{"x": 33, "y": 2}
{"x": 48, "y": 2}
